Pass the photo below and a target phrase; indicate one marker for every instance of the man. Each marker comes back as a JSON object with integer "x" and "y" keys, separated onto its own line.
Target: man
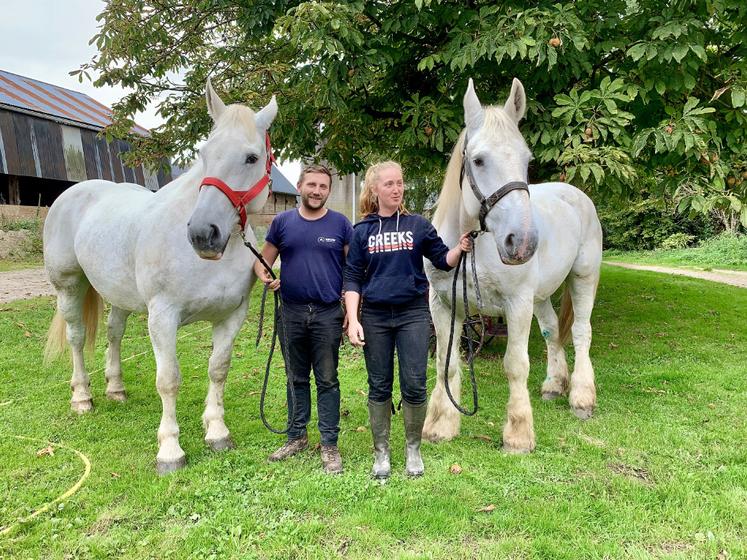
{"x": 312, "y": 242}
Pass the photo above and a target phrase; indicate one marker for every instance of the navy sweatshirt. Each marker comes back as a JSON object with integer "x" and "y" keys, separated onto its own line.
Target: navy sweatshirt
{"x": 385, "y": 259}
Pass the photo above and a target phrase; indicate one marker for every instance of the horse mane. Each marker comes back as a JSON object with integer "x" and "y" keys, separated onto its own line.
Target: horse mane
{"x": 236, "y": 116}
{"x": 448, "y": 204}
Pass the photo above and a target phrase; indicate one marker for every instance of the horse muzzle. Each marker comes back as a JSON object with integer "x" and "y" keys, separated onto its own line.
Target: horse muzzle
{"x": 207, "y": 240}
{"x": 517, "y": 248}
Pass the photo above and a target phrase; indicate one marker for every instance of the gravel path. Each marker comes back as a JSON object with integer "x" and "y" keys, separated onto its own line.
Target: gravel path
{"x": 32, "y": 282}
{"x": 24, "y": 284}
{"x": 731, "y": 277}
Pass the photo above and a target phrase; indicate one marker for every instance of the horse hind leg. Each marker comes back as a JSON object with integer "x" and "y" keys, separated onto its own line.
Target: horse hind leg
{"x": 583, "y": 396}
{"x": 556, "y": 382}
{"x": 80, "y": 307}
{"x": 443, "y": 420}
{"x": 217, "y": 436}
{"x": 115, "y": 389}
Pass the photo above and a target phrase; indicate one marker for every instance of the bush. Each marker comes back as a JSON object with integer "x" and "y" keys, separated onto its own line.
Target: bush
{"x": 23, "y": 247}
{"x": 677, "y": 241}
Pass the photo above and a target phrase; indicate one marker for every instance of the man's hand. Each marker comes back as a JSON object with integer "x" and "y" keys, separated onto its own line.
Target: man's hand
{"x": 265, "y": 277}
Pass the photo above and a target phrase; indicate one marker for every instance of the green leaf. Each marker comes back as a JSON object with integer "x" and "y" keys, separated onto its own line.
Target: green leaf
{"x": 419, "y": 4}
{"x": 637, "y": 51}
{"x": 690, "y": 105}
{"x": 737, "y": 97}
{"x": 700, "y": 51}
{"x": 679, "y": 52}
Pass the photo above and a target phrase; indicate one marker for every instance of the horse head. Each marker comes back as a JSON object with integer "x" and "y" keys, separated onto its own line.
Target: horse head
{"x": 495, "y": 163}
{"x": 236, "y": 153}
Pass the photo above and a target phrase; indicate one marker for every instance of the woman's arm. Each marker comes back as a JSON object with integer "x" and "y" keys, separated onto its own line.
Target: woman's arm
{"x": 355, "y": 330}
{"x": 464, "y": 246}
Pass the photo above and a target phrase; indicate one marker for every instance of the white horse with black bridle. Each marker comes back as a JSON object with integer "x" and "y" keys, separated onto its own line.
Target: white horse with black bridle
{"x": 176, "y": 254}
{"x": 536, "y": 237}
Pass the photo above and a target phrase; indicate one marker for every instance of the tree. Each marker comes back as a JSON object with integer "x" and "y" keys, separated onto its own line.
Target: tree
{"x": 618, "y": 90}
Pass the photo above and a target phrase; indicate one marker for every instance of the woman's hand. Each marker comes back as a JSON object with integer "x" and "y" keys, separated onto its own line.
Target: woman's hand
{"x": 465, "y": 242}
{"x": 355, "y": 333}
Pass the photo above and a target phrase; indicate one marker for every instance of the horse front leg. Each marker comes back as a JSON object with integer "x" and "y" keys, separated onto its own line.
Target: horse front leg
{"x": 115, "y": 389}
{"x": 556, "y": 381}
{"x": 224, "y": 333}
{"x": 443, "y": 420}
{"x": 162, "y": 325}
{"x": 518, "y": 432}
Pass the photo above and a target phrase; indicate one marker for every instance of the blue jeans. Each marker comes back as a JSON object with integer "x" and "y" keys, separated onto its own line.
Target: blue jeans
{"x": 313, "y": 333}
{"x": 405, "y": 327}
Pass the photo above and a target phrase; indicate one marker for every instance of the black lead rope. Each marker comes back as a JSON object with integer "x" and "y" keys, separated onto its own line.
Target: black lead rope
{"x": 288, "y": 373}
{"x": 472, "y": 352}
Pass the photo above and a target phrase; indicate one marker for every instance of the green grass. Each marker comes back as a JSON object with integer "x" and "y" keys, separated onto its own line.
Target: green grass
{"x": 724, "y": 251}
{"x": 659, "y": 472}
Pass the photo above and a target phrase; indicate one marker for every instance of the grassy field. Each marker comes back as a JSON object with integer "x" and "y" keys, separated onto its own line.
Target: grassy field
{"x": 659, "y": 472}
{"x": 723, "y": 251}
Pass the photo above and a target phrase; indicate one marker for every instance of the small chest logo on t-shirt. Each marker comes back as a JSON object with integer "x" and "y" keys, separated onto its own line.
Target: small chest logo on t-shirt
{"x": 322, "y": 239}
{"x": 390, "y": 241}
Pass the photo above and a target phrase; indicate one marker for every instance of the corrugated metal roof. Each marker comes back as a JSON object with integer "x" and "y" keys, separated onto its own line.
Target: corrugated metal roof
{"x": 54, "y": 102}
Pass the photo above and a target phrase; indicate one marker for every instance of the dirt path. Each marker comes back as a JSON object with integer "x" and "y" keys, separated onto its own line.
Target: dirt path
{"x": 24, "y": 284}
{"x": 32, "y": 282}
{"x": 731, "y": 277}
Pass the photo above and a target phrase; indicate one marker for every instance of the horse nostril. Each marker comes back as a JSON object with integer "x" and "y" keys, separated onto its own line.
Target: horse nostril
{"x": 214, "y": 232}
{"x": 509, "y": 242}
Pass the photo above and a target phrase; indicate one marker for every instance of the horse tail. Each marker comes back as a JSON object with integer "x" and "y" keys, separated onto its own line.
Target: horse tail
{"x": 93, "y": 310}
{"x": 566, "y": 316}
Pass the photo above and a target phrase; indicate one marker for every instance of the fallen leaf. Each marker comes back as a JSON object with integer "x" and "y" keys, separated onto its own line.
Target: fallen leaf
{"x": 455, "y": 469}
{"x": 613, "y": 346}
{"x": 345, "y": 412}
{"x": 252, "y": 393}
{"x": 115, "y": 475}
{"x": 491, "y": 424}
{"x": 661, "y": 334}
{"x": 711, "y": 405}
{"x": 487, "y": 509}
{"x": 27, "y": 334}
{"x": 483, "y": 437}
{"x": 723, "y": 555}
{"x": 49, "y": 450}
{"x": 360, "y": 429}
{"x": 361, "y": 392}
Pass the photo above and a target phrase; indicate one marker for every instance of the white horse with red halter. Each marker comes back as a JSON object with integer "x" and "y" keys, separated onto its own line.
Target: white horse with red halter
{"x": 536, "y": 237}
{"x": 176, "y": 254}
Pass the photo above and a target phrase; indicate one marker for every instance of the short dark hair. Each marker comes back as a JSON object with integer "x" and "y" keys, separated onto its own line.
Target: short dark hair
{"x": 315, "y": 168}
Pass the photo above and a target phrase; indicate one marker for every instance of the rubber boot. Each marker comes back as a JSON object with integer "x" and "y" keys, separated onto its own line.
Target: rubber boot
{"x": 380, "y": 418}
{"x": 414, "y": 419}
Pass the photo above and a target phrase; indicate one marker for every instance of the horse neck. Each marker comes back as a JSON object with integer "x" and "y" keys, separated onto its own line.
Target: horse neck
{"x": 187, "y": 185}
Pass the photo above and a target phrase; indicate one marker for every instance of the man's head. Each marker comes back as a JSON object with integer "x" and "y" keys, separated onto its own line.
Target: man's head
{"x": 314, "y": 186}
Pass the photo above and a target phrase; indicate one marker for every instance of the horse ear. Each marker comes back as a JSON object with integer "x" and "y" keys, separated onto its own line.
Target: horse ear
{"x": 264, "y": 118}
{"x": 516, "y": 104}
{"x": 473, "y": 112}
{"x": 215, "y": 105}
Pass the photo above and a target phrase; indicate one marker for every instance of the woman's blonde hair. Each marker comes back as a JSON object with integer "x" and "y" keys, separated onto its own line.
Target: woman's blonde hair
{"x": 369, "y": 203}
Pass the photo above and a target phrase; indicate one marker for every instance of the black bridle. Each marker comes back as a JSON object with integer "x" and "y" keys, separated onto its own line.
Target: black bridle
{"x": 486, "y": 205}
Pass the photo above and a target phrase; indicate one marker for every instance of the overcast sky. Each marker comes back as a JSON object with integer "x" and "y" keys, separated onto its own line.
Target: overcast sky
{"x": 46, "y": 39}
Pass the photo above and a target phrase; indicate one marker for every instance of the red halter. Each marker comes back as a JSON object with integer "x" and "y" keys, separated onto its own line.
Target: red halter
{"x": 239, "y": 199}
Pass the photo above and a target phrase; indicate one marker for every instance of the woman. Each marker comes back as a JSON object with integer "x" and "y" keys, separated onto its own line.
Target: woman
{"x": 385, "y": 266}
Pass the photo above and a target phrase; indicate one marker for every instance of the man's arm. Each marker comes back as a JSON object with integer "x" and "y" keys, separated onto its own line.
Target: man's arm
{"x": 270, "y": 254}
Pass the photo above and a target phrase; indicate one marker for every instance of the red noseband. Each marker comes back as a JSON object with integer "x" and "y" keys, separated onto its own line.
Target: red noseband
{"x": 239, "y": 199}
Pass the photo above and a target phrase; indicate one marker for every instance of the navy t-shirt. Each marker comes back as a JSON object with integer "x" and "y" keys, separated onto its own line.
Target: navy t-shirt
{"x": 311, "y": 255}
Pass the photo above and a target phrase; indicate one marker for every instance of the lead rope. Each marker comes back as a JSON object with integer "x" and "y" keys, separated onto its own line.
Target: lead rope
{"x": 288, "y": 373}
{"x": 472, "y": 352}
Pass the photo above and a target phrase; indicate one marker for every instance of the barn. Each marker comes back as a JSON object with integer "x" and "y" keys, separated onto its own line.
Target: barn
{"x": 49, "y": 140}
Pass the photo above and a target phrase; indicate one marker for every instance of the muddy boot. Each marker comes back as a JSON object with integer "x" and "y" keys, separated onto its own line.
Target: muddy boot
{"x": 380, "y": 417}
{"x": 414, "y": 419}
{"x": 290, "y": 448}
{"x": 331, "y": 460}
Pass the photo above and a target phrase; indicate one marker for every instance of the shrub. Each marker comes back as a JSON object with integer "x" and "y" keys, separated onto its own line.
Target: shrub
{"x": 677, "y": 241}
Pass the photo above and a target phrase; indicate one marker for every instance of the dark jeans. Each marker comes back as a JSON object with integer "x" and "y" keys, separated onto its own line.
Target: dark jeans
{"x": 313, "y": 336}
{"x": 406, "y": 327}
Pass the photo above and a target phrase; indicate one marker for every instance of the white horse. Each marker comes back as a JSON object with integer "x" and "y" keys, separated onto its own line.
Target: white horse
{"x": 175, "y": 253}
{"x": 538, "y": 237}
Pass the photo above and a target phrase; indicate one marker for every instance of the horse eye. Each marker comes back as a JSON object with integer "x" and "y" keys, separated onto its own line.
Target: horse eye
{"x": 251, "y": 158}
{"x": 478, "y": 162}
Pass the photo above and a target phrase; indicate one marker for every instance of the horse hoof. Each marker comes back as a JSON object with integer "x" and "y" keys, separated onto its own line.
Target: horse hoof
{"x": 221, "y": 444}
{"x": 81, "y": 407}
{"x": 583, "y": 413}
{"x": 551, "y": 395}
{"x": 119, "y": 396}
{"x": 511, "y": 450}
{"x": 167, "y": 467}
